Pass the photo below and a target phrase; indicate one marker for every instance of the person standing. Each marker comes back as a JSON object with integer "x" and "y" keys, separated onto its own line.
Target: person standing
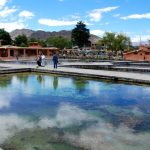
{"x": 43, "y": 60}
{"x": 55, "y": 60}
{"x": 39, "y": 60}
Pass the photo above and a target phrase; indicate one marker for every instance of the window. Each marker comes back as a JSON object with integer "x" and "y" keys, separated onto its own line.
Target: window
{"x": 11, "y": 52}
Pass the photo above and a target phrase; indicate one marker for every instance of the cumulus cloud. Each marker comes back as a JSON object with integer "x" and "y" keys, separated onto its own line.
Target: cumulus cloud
{"x": 10, "y": 124}
{"x": 139, "y": 38}
{"x": 97, "y": 32}
{"x": 105, "y": 137}
{"x": 66, "y": 116}
{"x": 76, "y": 16}
{"x": 7, "y": 11}
{"x": 26, "y": 14}
{"x": 96, "y": 14}
{"x": 116, "y": 15}
{"x": 137, "y": 16}
{"x": 52, "y": 22}
{"x": 9, "y": 26}
{"x": 3, "y": 3}
{"x": 100, "y": 135}
{"x": 4, "y": 101}
{"x": 11, "y": 18}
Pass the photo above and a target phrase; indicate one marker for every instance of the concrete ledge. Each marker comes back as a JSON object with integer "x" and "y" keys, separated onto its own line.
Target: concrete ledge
{"x": 110, "y": 67}
{"x": 8, "y": 71}
{"x": 95, "y": 76}
{"x": 88, "y": 73}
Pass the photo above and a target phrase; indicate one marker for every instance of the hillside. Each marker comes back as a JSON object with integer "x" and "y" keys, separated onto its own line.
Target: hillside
{"x": 17, "y": 32}
{"x": 44, "y": 35}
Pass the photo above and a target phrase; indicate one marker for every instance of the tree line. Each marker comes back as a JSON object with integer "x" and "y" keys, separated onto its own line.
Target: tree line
{"x": 79, "y": 37}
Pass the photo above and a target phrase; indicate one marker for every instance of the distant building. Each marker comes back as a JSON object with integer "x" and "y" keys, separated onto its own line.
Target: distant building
{"x": 142, "y": 54}
{"x": 8, "y": 52}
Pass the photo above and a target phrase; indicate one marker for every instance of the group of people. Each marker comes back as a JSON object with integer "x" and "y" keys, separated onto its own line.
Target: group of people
{"x": 41, "y": 60}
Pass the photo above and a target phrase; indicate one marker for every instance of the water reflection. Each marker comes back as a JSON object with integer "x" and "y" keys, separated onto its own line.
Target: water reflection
{"x": 40, "y": 79}
{"x": 5, "y": 81}
{"x": 23, "y": 78}
{"x": 55, "y": 82}
{"x": 73, "y": 113}
{"x": 96, "y": 134}
{"x": 80, "y": 84}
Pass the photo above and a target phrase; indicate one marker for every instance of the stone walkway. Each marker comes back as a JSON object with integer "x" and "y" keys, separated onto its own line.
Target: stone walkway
{"x": 98, "y": 74}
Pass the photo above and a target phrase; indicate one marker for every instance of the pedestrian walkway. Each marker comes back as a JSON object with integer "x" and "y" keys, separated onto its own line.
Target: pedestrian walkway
{"x": 98, "y": 74}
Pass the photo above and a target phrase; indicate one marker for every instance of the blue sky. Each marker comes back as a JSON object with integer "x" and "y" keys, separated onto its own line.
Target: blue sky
{"x": 131, "y": 17}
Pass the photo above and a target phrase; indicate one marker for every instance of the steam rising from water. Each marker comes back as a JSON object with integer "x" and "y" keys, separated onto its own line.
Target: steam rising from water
{"x": 98, "y": 136}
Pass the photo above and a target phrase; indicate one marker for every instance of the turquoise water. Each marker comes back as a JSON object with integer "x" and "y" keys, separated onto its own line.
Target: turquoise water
{"x": 46, "y": 112}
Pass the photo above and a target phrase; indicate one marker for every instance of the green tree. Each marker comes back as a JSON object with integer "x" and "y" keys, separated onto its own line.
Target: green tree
{"x": 109, "y": 40}
{"x": 5, "y": 37}
{"x": 80, "y": 35}
{"x": 21, "y": 40}
{"x": 122, "y": 43}
{"x": 80, "y": 84}
{"x": 5, "y": 81}
{"x": 115, "y": 42}
{"x": 59, "y": 42}
{"x": 23, "y": 77}
{"x": 42, "y": 43}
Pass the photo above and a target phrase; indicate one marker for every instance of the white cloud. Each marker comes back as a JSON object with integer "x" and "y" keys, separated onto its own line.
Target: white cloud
{"x": 116, "y": 15}
{"x": 4, "y": 101}
{"x": 99, "y": 135}
{"x": 3, "y": 3}
{"x": 95, "y": 136}
{"x": 104, "y": 136}
{"x": 96, "y": 14}
{"x": 10, "y": 124}
{"x": 105, "y": 23}
{"x": 97, "y": 32}
{"x": 10, "y": 19}
{"x": 10, "y": 26}
{"x": 75, "y": 17}
{"x": 66, "y": 116}
{"x": 137, "y": 16}
{"x": 51, "y": 22}
{"x": 137, "y": 38}
{"x": 26, "y": 14}
{"x": 7, "y": 11}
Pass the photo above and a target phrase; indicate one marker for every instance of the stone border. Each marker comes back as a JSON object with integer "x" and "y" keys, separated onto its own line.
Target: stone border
{"x": 102, "y": 77}
{"x": 77, "y": 74}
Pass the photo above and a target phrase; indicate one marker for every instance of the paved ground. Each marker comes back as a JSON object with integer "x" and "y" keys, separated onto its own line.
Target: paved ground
{"x": 99, "y": 74}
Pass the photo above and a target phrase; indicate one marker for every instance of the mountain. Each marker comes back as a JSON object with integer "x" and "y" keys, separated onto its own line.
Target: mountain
{"x": 43, "y": 35}
{"x": 17, "y": 32}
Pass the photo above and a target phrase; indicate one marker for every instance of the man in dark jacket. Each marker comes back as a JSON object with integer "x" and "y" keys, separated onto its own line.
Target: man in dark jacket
{"x": 39, "y": 60}
{"x": 55, "y": 60}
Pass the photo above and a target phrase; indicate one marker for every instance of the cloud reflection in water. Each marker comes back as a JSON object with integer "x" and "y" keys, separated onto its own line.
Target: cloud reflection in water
{"x": 100, "y": 135}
